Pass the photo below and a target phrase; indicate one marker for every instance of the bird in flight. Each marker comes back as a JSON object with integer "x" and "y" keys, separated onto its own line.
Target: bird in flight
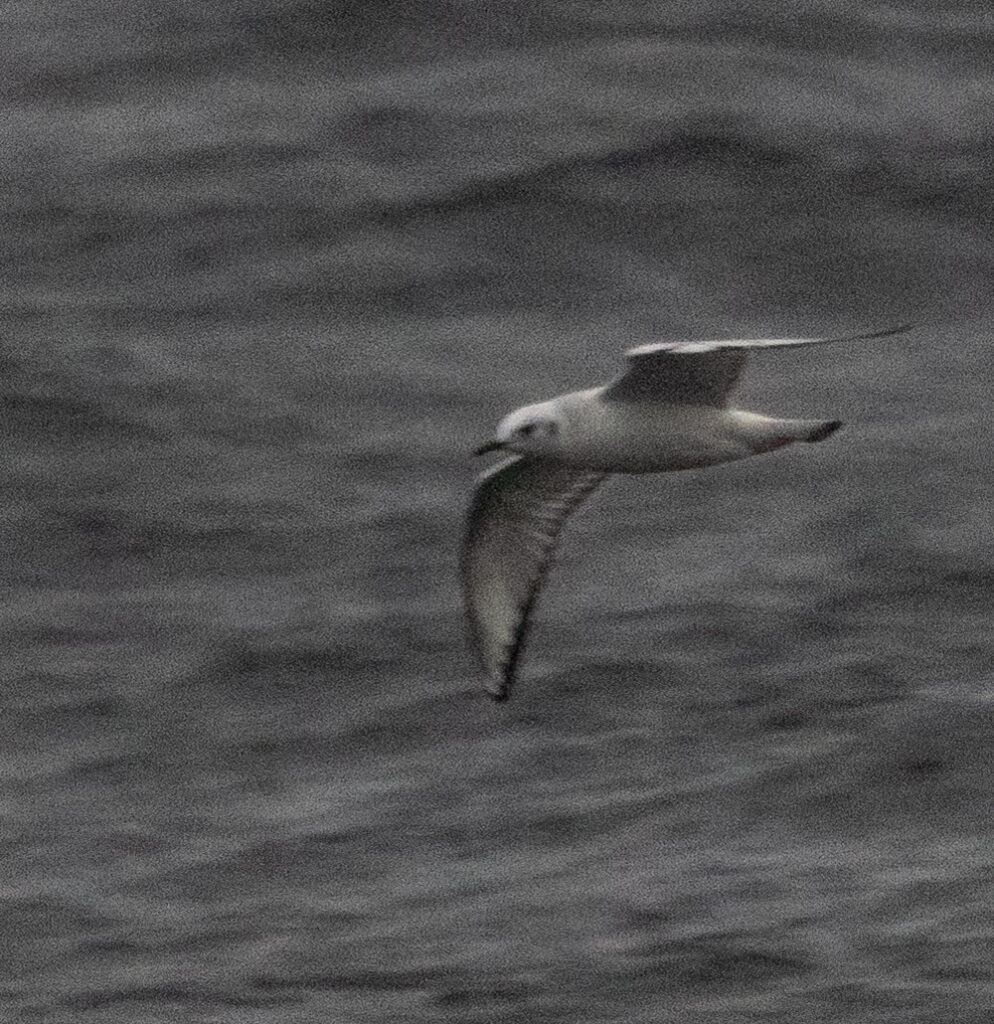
{"x": 669, "y": 410}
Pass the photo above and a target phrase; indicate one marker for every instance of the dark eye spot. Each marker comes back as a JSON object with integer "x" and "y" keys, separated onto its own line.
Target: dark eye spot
{"x": 527, "y": 429}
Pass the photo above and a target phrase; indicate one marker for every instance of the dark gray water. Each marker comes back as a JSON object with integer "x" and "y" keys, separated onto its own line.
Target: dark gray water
{"x": 271, "y": 270}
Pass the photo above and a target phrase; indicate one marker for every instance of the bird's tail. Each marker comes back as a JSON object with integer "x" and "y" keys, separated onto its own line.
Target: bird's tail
{"x": 818, "y": 430}
{"x": 766, "y": 434}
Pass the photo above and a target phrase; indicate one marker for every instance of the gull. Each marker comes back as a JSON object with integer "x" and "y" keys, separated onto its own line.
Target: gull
{"x": 668, "y": 411}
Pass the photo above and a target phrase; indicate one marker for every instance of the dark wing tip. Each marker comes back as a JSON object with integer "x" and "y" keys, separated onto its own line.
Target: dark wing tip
{"x": 899, "y": 329}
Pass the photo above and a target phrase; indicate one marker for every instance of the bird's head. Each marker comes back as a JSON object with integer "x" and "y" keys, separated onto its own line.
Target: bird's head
{"x": 533, "y": 430}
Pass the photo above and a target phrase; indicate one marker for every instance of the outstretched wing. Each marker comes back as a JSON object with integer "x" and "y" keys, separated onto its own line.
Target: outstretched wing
{"x": 515, "y": 516}
{"x": 701, "y": 372}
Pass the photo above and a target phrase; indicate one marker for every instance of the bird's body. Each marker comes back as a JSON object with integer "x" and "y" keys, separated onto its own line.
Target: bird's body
{"x": 668, "y": 412}
{"x": 642, "y": 436}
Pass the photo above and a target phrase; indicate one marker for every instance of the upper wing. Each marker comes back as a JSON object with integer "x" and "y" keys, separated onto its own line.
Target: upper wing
{"x": 516, "y": 513}
{"x": 701, "y": 372}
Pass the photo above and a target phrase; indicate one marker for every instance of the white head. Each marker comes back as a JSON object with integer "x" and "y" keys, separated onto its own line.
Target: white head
{"x": 532, "y": 430}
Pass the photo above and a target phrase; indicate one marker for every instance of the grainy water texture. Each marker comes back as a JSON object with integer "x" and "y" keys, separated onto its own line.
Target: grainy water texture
{"x": 271, "y": 270}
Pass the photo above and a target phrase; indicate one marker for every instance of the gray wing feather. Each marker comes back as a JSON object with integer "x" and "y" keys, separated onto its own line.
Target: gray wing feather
{"x": 515, "y": 517}
{"x": 701, "y": 372}
{"x": 666, "y": 375}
